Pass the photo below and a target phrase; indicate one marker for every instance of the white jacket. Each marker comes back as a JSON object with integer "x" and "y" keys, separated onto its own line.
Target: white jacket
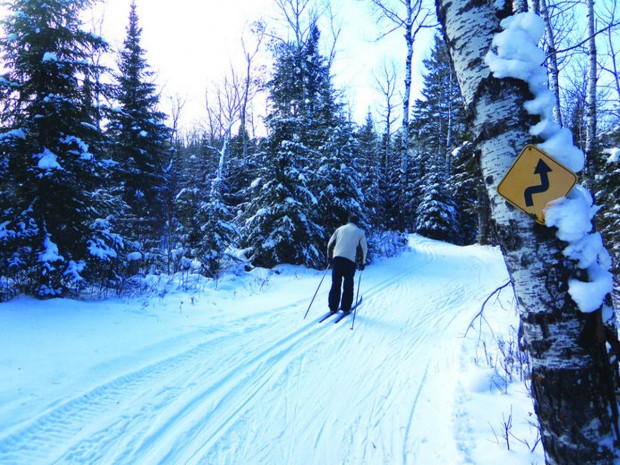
{"x": 346, "y": 240}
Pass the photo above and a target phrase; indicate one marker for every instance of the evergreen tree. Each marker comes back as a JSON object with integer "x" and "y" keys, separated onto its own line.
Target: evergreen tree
{"x": 373, "y": 175}
{"x": 188, "y": 203}
{"x": 438, "y": 117}
{"x": 285, "y": 221}
{"x": 390, "y": 182}
{"x": 339, "y": 180}
{"x": 56, "y": 228}
{"x": 607, "y": 194}
{"x": 140, "y": 145}
{"x": 278, "y": 227}
{"x": 438, "y": 126}
{"x": 218, "y": 231}
{"x": 436, "y": 215}
{"x": 469, "y": 195}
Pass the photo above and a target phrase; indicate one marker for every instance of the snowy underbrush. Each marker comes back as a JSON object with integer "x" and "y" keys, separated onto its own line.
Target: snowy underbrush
{"x": 234, "y": 266}
{"x": 494, "y": 387}
{"x": 387, "y": 244}
{"x": 7, "y": 289}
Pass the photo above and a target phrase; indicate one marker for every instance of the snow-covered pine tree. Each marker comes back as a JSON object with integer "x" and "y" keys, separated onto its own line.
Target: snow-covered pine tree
{"x": 218, "y": 231}
{"x": 140, "y": 144}
{"x": 282, "y": 224}
{"x": 370, "y": 161}
{"x": 56, "y": 228}
{"x": 391, "y": 182}
{"x": 339, "y": 180}
{"x": 437, "y": 127}
{"x": 607, "y": 189}
{"x": 470, "y": 196}
{"x": 338, "y": 171}
{"x": 436, "y": 215}
{"x": 277, "y": 224}
{"x": 192, "y": 191}
{"x": 438, "y": 117}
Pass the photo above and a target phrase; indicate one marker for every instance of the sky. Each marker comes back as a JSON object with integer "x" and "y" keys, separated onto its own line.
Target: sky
{"x": 191, "y": 44}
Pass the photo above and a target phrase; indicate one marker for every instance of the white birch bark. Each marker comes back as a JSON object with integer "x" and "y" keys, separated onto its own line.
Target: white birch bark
{"x": 552, "y": 66}
{"x": 591, "y": 116}
{"x": 414, "y": 19}
{"x": 569, "y": 387}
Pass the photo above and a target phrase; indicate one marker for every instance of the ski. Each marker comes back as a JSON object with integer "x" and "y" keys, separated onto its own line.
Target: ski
{"x": 343, "y": 315}
{"x": 326, "y": 316}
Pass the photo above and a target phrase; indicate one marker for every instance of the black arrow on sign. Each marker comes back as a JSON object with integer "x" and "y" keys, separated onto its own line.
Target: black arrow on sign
{"x": 543, "y": 170}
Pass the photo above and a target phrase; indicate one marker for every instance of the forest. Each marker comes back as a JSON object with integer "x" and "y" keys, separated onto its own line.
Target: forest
{"x": 99, "y": 190}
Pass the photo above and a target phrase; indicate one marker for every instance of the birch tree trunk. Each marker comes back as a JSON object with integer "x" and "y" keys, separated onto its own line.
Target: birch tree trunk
{"x": 554, "y": 70}
{"x": 414, "y": 19}
{"x": 591, "y": 116}
{"x": 571, "y": 384}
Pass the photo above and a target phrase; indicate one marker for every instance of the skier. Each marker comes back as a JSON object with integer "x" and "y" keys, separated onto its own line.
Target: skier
{"x": 345, "y": 248}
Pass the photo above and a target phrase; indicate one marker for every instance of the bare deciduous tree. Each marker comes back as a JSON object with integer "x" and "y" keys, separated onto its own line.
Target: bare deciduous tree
{"x": 591, "y": 114}
{"x": 409, "y": 17}
{"x": 385, "y": 81}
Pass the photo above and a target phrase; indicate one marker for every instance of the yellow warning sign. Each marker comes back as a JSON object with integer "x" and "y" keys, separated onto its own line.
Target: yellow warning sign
{"x": 534, "y": 180}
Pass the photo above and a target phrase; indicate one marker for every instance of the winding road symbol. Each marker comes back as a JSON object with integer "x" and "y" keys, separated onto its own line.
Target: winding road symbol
{"x": 542, "y": 169}
{"x": 534, "y": 180}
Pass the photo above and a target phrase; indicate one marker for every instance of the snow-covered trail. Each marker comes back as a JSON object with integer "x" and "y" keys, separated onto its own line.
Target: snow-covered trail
{"x": 251, "y": 382}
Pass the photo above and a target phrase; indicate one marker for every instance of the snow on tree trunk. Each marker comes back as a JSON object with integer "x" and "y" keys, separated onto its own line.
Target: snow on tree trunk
{"x": 571, "y": 385}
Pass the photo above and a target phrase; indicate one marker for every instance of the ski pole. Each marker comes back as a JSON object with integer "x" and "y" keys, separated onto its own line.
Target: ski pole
{"x": 357, "y": 299}
{"x": 317, "y": 291}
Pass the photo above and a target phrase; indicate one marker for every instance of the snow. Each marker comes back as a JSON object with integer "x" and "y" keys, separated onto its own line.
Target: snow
{"x": 515, "y": 53}
{"x": 614, "y": 155}
{"x": 134, "y": 256}
{"x": 49, "y": 56}
{"x": 48, "y": 160}
{"x": 14, "y": 133}
{"x": 50, "y": 251}
{"x": 229, "y": 371}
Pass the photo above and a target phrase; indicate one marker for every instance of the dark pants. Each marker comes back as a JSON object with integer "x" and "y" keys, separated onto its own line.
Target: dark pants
{"x": 342, "y": 268}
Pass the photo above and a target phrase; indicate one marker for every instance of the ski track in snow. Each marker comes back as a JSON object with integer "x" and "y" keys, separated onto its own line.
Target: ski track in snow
{"x": 273, "y": 388}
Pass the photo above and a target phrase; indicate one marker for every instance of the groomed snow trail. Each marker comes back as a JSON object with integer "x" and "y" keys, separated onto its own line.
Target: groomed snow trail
{"x": 255, "y": 383}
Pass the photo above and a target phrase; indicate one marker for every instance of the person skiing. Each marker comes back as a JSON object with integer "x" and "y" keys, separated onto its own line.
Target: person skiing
{"x": 345, "y": 248}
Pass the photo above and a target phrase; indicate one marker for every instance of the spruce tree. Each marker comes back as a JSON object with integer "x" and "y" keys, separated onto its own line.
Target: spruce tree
{"x": 140, "y": 145}
{"x": 470, "y": 197}
{"x": 285, "y": 222}
{"x": 607, "y": 194}
{"x": 373, "y": 176}
{"x": 56, "y": 230}
{"x": 436, "y": 215}
{"x": 340, "y": 179}
{"x": 278, "y": 227}
{"x": 438, "y": 127}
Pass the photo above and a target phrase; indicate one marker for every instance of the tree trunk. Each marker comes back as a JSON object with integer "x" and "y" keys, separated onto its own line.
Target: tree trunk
{"x": 484, "y": 214}
{"x": 415, "y": 19}
{"x": 591, "y": 97}
{"x": 409, "y": 38}
{"x": 571, "y": 385}
{"x": 554, "y": 70}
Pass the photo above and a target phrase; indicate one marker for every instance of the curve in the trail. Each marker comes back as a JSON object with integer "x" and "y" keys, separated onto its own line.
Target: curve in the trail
{"x": 274, "y": 388}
